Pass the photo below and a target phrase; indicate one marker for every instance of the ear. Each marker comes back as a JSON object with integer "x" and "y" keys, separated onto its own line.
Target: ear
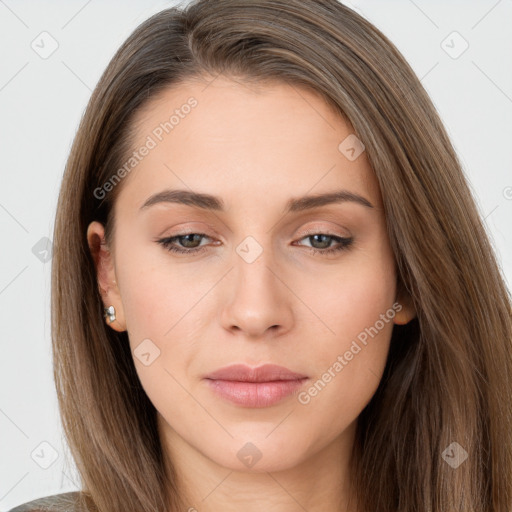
{"x": 406, "y": 312}
{"x": 105, "y": 273}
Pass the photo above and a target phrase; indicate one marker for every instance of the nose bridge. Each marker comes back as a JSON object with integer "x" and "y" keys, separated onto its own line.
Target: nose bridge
{"x": 257, "y": 297}
{"x": 253, "y": 261}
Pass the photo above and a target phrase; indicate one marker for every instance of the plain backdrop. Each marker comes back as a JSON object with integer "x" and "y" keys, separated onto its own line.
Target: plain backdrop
{"x": 52, "y": 55}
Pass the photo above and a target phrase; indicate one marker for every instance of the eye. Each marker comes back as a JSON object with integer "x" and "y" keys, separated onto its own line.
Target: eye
{"x": 190, "y": 243}
{"x": 324, "y": 241}
{"x": 188, "y": 239}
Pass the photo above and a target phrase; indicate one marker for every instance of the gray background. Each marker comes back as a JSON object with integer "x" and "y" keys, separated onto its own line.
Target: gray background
{"x": 42, "y": 100}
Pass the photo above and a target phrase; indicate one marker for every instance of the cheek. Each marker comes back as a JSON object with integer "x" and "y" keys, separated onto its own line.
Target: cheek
{"x": 161, "y": 303}
{"x": 355, "y": 306}
{"x": 358, "y": 323}
{"x": 162, "y": 324}
{"x": 350, "y": 296}
{"x": 156, "y": 293}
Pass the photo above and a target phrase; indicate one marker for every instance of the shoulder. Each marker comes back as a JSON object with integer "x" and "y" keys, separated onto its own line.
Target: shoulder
{"x": 65, "y": 502}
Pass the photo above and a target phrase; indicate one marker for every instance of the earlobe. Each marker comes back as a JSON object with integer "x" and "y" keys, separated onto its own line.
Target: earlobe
{"x": 405, "y": 310}
{"x": 105, "y": 273}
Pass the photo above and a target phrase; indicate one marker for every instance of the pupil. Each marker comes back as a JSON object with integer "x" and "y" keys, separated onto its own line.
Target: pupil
{"x": 326, "y": 239}
{"x": 188, "y": 239}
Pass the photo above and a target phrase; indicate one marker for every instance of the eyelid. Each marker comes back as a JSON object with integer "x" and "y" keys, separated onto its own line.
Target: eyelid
{"x": 315, "y": 229}
{"x": 326, "y": 231}
{"x": 187, "y": 228}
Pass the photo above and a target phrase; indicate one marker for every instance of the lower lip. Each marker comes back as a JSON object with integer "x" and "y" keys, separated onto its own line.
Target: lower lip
{"x": 255, "y": 394}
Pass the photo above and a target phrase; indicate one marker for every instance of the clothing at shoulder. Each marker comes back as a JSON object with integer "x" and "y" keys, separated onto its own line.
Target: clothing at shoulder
{"x": 64, "y": 502}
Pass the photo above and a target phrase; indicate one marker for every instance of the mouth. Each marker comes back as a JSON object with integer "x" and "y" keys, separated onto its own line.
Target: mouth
{"x": 255, "y": 387}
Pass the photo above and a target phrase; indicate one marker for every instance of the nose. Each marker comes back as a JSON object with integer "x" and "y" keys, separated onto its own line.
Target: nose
{"x": 258, "y": 299}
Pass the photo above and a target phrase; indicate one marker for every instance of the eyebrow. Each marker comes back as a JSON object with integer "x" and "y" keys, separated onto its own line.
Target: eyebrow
{"x": 210, "y": 202}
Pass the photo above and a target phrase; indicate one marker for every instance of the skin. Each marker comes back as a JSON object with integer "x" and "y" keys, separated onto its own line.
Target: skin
{"x": 255, "y": 147}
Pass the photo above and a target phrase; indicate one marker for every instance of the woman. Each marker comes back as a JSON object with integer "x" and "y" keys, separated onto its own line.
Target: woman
{"x": 271, "y": 286}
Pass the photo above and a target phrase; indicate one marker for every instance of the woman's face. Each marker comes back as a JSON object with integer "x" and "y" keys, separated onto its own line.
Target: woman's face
{"x": 257, "y": 292}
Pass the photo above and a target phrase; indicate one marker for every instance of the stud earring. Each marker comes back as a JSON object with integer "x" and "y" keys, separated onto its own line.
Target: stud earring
{"x": 109, "y": 314}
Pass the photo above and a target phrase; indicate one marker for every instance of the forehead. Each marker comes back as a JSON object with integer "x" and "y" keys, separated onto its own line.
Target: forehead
{"x": 224, "y": 137}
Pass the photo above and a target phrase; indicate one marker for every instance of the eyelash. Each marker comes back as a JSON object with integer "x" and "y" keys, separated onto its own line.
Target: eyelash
{"x": 344, "y": 244}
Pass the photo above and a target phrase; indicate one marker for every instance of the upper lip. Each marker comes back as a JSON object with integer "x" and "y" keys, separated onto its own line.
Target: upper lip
{"x": 264, "y": 373}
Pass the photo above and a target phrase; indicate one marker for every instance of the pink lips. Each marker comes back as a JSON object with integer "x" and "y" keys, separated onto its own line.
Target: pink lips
{"x": 255, "y": 387}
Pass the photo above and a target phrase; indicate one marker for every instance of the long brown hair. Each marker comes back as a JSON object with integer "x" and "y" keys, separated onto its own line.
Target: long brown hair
{"x": 448, "y": 377}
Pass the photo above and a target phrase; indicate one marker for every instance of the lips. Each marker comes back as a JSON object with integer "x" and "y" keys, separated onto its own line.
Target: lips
{"x": 265, "y": 373}
{"x": 254, "y": 387}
